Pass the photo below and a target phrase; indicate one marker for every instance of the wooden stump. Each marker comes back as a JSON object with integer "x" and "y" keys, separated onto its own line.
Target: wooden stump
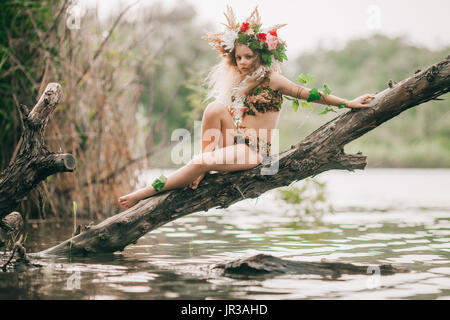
{"x": 33, "y": 162}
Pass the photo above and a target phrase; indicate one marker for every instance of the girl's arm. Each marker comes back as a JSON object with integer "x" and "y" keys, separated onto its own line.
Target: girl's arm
{"x": 287, "y": 87}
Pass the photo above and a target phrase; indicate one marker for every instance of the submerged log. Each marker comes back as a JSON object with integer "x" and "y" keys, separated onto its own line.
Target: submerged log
{"x": 33, "y": 162}
{"x": 322, "y": 150}
{"x": 266, "y": 265}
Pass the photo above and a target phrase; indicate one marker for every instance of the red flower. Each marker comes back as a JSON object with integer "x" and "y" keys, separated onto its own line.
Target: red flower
{"x": 246, "y": 93}
{"x": 273, "y": 32}
{"x": 245, "y": 109}
{"x": 261, "y": 37}
{"x": 245, "y": 26}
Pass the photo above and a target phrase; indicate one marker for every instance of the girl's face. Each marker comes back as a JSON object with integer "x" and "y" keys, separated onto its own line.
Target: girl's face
{"x": 246, "y": 60}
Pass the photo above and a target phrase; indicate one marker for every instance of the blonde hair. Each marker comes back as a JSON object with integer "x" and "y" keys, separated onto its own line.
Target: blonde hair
{"x": 224, "y": 79}
{"x": 220, "y": 80}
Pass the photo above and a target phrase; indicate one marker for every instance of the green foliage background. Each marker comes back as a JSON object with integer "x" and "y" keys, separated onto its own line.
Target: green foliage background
{"x": 19, "y": 41}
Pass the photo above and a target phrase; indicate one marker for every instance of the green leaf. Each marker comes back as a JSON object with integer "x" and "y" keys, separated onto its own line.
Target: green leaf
{"x": 326, "y": 110}
{"x": 158, "y": 184}
{"x": 251, "y": 112}
{"x": 306, "y": 104}
{"x": 255, "y": 45}
{"x": 266, "y": 58}
{"x": 314, "y": 95}
{"x": 91, "y": 113}
{"x": 326, "y": 90}
{"x": 305, "y": 78}
{"x": 75, "y": 217}
{"x": 75, "y": 206}
{"x": 256, "y": 28}
{"x": 243, "y": 38}
{"x": 280, "y": 54}
{"x": 295, "y": 104}
{"x": 342, "y": 106}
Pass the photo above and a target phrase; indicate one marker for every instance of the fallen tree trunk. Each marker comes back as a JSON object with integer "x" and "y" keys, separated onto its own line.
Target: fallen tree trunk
{"x": 33, "y": 162}
{"x": 320, "y": 151}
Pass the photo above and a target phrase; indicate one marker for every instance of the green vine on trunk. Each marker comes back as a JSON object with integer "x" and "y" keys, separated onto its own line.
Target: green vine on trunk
{"x": 314, "y": 95}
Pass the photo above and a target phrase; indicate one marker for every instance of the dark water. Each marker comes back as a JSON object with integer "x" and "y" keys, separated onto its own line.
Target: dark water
{"x": 380, "y": 216}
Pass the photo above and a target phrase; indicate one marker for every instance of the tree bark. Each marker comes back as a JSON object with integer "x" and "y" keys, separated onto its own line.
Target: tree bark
{"x": 33, "y": 162}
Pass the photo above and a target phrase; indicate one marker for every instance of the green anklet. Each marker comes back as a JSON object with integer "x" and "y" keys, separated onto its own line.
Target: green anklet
{"x": 158, "y": 183}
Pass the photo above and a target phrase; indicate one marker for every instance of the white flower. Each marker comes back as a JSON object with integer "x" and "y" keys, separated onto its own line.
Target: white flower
{"x": 229, "y": 38}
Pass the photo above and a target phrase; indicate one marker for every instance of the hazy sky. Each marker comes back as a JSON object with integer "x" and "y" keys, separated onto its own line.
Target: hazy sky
{"x": 328, "y": 22}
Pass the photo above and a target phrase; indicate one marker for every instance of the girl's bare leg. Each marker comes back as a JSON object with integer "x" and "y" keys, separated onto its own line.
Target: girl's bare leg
{"x": 231, "y": 158}
{"x": 215, "y": 121}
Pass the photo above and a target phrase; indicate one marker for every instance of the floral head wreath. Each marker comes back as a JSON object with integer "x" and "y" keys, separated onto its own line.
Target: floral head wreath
{"x": 250, "y": 32}
{"x": 264, "y": 41}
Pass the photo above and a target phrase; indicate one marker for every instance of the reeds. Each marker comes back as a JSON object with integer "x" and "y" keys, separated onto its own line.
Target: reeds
{"x": 120, "y": 100}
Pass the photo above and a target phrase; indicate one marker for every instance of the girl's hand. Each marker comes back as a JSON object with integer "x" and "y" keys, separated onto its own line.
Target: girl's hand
{"x": 361, "y": 102}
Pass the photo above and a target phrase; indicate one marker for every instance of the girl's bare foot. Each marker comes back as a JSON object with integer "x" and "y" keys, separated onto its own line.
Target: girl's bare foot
{"x": 194, "y": 184}
{"x": 129, "y": 200}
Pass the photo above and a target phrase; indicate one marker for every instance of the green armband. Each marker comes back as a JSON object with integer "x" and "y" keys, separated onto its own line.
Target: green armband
{"x": 158, "y": 183}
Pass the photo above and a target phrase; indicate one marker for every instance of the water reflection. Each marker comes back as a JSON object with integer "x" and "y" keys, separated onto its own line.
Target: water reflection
{"x": 373, "y": 225}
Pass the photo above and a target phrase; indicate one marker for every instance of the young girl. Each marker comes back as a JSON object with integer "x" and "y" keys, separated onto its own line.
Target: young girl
{"x": 248, "y": 90}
